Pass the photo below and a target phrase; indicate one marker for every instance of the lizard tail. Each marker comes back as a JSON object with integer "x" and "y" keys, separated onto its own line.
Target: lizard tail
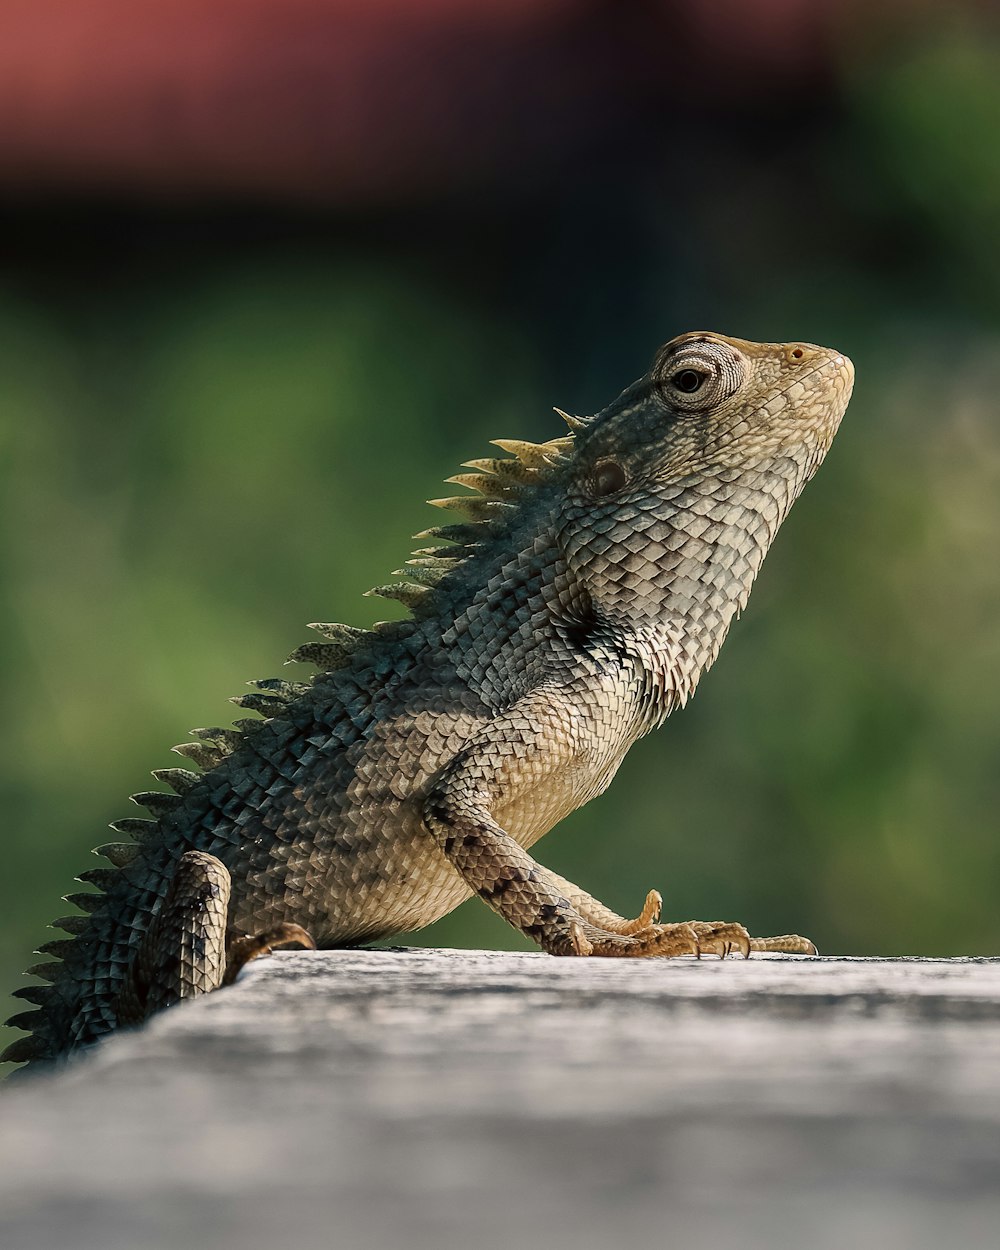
{"x": 81, "y": 975}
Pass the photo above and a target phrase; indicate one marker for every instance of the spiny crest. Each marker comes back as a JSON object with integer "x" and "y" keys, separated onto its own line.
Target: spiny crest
{"x": 497, "y": 486}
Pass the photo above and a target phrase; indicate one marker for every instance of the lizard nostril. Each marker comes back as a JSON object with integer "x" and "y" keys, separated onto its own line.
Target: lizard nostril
{"x": 797, "y": 353}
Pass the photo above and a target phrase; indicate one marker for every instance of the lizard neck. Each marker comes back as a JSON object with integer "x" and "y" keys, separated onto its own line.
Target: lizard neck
{"x": 674, "y": 584}
{"x": 659, "y": 594}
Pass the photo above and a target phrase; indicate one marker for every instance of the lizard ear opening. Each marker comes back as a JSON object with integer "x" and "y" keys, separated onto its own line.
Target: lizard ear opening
{"x": 607, "y": 478}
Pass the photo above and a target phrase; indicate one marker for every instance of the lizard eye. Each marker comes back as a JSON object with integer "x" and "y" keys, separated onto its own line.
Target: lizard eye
{"x": 693, "y": 377}
{"x": 687, "y": 380}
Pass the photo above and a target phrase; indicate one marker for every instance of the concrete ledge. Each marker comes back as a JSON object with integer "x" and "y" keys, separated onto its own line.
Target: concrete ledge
{"x": 424, "y": 1098}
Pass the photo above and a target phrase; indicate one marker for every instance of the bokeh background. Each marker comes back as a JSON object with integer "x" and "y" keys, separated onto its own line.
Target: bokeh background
{"x": 270, "y": 269}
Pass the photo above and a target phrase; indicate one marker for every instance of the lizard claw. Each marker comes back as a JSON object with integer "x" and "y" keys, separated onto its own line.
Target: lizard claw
{"x": 244, "y": 948}
{"x": 721, "y": 938}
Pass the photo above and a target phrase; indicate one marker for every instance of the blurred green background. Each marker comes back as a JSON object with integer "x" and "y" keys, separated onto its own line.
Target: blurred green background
{"x": 221, "y": 405}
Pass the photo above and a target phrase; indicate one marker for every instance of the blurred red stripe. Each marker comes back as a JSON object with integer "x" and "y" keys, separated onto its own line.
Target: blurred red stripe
{"x": 350, "y": 100}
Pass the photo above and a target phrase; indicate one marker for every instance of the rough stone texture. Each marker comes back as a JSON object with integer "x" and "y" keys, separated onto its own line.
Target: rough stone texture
{"x": 471, "y": 1099}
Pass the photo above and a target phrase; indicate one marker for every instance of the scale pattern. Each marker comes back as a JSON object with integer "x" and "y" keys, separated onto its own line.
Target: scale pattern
{"x": 590, "y": 582}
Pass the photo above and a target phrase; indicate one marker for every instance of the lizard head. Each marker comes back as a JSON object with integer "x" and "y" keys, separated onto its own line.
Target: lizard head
{"x": 661, "y": 506}
{"x": 674, "y": 492}
{"x": 712, "y": 404}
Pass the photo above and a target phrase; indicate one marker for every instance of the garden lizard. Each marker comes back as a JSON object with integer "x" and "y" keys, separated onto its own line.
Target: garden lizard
{"x": 590, "y": 582}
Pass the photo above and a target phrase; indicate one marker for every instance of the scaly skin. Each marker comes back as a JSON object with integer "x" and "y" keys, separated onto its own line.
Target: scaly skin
{"x": 594, "y": 584}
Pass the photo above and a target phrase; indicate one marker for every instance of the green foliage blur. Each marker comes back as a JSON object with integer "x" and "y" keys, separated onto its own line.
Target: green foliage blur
{"x": 207, "y": 440}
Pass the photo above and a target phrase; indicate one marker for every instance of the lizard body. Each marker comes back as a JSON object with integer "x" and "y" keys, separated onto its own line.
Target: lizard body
{"x": 594, "y": 579}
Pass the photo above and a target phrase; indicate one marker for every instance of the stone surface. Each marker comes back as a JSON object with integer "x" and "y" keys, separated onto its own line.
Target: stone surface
{"x": 470, "y": 1099}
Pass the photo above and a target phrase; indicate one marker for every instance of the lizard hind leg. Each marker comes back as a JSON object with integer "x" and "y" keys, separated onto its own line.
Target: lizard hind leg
{"x": 183, "y": 952}
{"x": 189, "y": 948}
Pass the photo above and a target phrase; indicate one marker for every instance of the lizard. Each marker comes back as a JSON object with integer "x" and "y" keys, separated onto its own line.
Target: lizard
{"x": 589, "y": 582}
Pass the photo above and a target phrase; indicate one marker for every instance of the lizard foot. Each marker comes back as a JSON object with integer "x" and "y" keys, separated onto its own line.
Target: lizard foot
{"x": 242, "y": 949}
{"x": 713, "y": 937}
{"x": 694, "y": 937}
{"x": 654, "y": 939}
{"x": 722, "y": 938}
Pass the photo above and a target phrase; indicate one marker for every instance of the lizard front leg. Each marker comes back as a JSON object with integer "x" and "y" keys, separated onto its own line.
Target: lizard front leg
{"x": 188, "y": 948}
{"x": 519, "y": 889}
{"x": 516, "y": 755}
